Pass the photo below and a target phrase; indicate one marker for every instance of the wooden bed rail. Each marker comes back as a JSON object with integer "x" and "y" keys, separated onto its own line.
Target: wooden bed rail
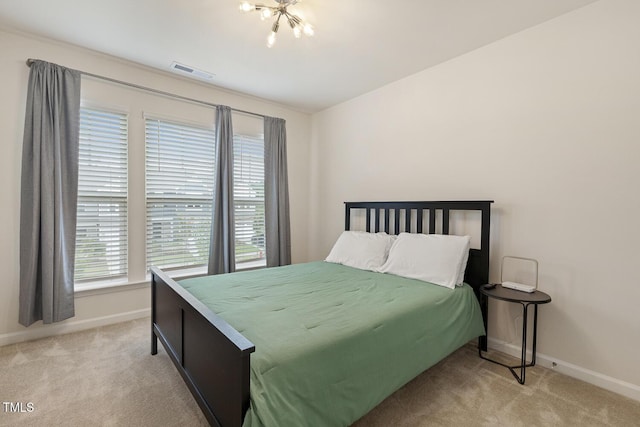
{"x": 212, "y": 357}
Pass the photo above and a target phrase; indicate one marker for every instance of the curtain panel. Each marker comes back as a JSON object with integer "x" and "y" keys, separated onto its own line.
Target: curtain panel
{"x": 49, "y": 194}
{"x": 222, "y": 247}
{"x": 276, "y": 186}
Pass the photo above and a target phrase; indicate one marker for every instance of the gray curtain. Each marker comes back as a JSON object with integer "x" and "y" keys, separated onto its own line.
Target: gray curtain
{"x": 277, "y": 229}
{"x": 222, "y": 248}
{"x": 49, "y": 194}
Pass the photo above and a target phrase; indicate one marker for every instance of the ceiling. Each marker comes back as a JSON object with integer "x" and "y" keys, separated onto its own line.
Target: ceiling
{"x": 359, "y": 45}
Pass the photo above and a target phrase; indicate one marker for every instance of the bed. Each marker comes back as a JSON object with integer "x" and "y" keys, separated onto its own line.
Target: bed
{"x": 311, "y": 365}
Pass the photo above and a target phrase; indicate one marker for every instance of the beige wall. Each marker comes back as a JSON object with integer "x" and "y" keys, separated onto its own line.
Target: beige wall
{"x": 546, "y": 123}
{"x": 99, "y": 307}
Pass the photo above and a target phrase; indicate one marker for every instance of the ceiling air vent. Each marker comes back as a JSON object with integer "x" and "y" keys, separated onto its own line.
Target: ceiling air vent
{"x": 176, "y": 67}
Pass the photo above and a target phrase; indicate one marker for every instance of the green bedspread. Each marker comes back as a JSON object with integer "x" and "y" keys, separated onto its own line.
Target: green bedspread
{"x": 332, "y": 341}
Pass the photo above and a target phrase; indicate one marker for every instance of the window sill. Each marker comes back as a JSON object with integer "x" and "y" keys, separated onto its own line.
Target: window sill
{"x": 107, "y": 287}
{"x": 251, "y": 265}
{"x": 122, "y": 285}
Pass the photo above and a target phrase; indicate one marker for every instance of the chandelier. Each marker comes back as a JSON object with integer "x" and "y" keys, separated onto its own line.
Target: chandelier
{"x": 296, "y": 23}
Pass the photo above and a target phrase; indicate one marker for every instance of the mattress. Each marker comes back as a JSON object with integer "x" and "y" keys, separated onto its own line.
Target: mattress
{"x": 332, "y": 341}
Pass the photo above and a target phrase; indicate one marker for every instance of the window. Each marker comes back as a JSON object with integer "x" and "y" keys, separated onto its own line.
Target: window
{"x": 248, "y": 201}
{"x": 142, "y": 205}
{"x": 101, "y": 229}
{"x": 180, "y": 161}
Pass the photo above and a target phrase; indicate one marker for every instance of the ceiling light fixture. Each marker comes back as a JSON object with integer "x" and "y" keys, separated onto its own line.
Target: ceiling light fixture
{"x": 296, "y": 23}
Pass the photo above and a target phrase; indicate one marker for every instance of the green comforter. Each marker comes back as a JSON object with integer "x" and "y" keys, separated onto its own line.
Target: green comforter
{"x": 332, "y": 341}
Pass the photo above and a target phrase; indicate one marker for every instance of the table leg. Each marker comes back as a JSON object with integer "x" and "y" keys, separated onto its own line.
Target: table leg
{"x": 523, "y": 359}
{"x": 535, "y": 334}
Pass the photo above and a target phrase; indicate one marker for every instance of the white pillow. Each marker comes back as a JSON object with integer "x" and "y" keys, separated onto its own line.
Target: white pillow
{"x": 359, "y": 249}
{"x": 434, "y": 258}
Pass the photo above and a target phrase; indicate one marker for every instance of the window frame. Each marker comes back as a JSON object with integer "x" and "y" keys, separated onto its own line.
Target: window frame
{"x": 98, "y": 132}
{"x": 176, "y": 131}
{"x": 247, "y": 201}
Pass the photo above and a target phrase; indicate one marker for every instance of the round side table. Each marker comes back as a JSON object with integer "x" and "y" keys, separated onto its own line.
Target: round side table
{"x": 525, "y": 299}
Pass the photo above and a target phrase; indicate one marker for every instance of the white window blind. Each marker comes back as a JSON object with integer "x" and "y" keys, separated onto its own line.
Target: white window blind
{"x": 248, "y": 197}
{"x": 180, "y": 161}
{"x": 101, "y": 229}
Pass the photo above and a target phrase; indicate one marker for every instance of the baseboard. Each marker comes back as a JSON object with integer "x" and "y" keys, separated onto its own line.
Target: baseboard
{"x": 615, "y": 385}
{"x": 43, "y": 331}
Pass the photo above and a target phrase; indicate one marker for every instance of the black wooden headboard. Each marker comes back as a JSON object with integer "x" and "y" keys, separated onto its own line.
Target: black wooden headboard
{"x": 379, "y": 215}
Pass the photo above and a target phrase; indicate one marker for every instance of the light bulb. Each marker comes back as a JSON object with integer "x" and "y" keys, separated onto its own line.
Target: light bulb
{"x": 308, "y": 29}
{"x": 297, "y": 32}
{"x": 271, "y": 39}
{"x": 246, "y": 6}
{"x": 266, "y": 13}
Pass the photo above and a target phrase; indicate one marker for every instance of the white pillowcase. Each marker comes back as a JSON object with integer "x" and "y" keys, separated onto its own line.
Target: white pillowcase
{"x": 435, "y": 258}
{"x": 359, "y": 249}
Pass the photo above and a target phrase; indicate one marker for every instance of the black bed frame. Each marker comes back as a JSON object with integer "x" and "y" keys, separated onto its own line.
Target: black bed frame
{"x": 214, "y": 359}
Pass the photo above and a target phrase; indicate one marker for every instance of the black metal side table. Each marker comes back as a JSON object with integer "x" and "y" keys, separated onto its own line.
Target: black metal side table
{"x": 525, "y": 299}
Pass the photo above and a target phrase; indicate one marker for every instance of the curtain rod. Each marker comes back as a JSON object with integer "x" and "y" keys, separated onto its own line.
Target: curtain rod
{"x": 156, "y": 91}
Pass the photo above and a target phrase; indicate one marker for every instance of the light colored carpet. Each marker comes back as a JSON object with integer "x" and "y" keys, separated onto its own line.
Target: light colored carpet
{"x": 107, "y": 377}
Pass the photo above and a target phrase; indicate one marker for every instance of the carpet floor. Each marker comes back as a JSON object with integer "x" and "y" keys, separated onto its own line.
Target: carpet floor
{"x": 106, "y": 377}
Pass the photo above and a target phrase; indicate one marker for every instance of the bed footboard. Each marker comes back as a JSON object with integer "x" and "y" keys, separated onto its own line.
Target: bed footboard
{"x": 212, "y": 357}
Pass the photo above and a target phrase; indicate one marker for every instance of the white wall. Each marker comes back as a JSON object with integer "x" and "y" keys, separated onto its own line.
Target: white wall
{"x": 546, "y": 123}
{"x": 100, "y": 307}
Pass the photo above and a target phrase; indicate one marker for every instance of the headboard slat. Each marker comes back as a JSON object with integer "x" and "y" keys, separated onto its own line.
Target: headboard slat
{"x": 368, "y": 220}
{"x": 445, "y": 221}
{"x": 407, "y": 220}
{"x": 387, "y": 213}
{"x": 396, "y": 221}
{"x": 432, "y": 221}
